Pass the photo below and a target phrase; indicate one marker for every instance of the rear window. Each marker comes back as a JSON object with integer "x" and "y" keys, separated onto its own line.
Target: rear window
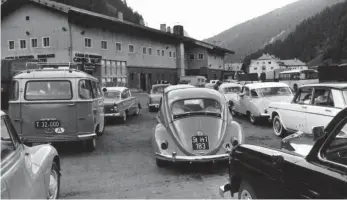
{"x": 48, "y": 90}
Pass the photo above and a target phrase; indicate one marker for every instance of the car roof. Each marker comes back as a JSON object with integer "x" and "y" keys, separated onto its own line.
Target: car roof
{"x": 330, "y": 85}
{"x": 224, "y": 85}
{"x": 177, "y": 87}
{"x": 195, "y": 92}
{"x": 52, "y": 73}
{"x": 120, "y": 89}
{"x": 264, "y": 85}
{"x": 2, "y": 113}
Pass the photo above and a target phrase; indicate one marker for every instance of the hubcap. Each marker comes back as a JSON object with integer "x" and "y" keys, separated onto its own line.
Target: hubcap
{"x": 53, "y": 185}
{"x": 277, "y": 127}
{"x": 245, "y": 195}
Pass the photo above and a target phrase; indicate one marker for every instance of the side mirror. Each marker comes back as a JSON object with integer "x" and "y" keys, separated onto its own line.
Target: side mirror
{"x": 104, "y": 90}
{"x": 317, "y": 131}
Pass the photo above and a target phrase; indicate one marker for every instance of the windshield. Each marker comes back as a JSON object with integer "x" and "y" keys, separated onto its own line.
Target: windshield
{"x": 191, "y": 106}
{"x": 271, "y": 91}
{"x": 48, "y": 90}
{"x": 159, "y": 89}
{"x": 112, "y": 95}
{"x": 232, "y": 90}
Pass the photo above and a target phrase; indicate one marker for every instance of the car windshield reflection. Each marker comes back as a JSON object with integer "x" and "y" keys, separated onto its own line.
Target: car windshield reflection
{"x": 189, "y": 107}
{"x": 273, "y": 91}
{"x": 236, "y": 90}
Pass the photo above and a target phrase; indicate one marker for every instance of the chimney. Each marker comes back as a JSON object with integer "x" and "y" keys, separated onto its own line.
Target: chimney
{"x": 169, "y": 29}
{"x": 120, "y": 16}
{"x": 163, "y": 27}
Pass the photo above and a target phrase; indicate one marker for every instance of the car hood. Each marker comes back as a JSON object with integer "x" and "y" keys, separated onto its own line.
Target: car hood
{"x": 110, "y": 101}
{"x": 184, "y": 129}
{"x": 265, "y": 101}
{"x": 231, "y": 96}
{"x": 299, "y": 143}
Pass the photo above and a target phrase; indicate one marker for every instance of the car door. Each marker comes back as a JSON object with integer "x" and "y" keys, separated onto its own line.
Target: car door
{"x": 14, "y": 165}
{"x": 323, "y": 109}
{"x": 294, "y": 115}
{"x": 85, "y": 107}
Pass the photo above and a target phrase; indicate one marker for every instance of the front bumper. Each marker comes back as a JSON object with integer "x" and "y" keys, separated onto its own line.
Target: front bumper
{"x": 112, "y": 115}
{"x": 44, "y": 138}
{"x": 210, "y": 158}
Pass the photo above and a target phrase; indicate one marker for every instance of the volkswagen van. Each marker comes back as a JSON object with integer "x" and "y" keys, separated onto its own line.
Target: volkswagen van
{"x": 57, "y": 105}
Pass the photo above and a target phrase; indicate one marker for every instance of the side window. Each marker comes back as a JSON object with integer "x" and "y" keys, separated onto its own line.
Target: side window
{"x": 337, "y": 151}
{"x": 7, "y": 145}
{"x": 304, "y": 96}
{"x": 323, "y": 97}
{"x": 254, "y": 93}
{"x": 14, "y": 91}
{"x": 95, "y": 89}
{"x": 337, "y": 96}
{"x": 125, "y": 94}
{"x": 85, "y": 89}
{"x": 98, "y": 87}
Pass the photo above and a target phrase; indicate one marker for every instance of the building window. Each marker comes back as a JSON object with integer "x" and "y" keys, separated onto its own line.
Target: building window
{"x": 144, "y": 50}
{"x": 11, "y": 45}
{"x": 162, "y": 53}
{"x": 191, "y": 56}
{"x": 33, "y": 42}
{"x": 174, "y": 54}
{"x": 149, "y": 51}
{"x": 27, "y": 18}
{"x": 131, "y": 48}
{"x": 45, "y": 42}
{"x": 255, "y": 68}
{"x": 103, "y": 44}
{"x": 201, "y": 56}
{"x": 132, "y": 76}
{"x": 158, "y": 52}
{"x": 118, "y": 46}
{"x": 23, "y": 44}
{"x": 272, "y": 67}
{"x": 263, "y": 68}
{"x": 87, "y": 42}
{"x": 170, "y": 54}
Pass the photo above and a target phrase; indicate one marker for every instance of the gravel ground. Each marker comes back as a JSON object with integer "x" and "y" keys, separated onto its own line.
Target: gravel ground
{"x": 123, "y": 165}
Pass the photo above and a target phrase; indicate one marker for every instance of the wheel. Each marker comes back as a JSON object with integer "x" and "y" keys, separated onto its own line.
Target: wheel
{"x": 295, "y": 87}
{"x": 246, "y": 191}
{"x": 160, "y": 163}
{"x": 278, "y": 127}
{"x": 54, "y": 182}
{"x": 137, "y": 112}
{"x": 233, "y": 111}
{"x": 252, "y": 119}
{"x": 90, "y": 144}
{"x": 124, "y": 117}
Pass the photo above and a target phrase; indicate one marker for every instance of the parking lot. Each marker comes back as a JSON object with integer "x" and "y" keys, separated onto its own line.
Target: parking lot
{"x": 123, "y": 165}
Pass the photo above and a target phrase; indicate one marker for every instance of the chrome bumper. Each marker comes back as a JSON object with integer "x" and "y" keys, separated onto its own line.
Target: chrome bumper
{"x": 112, "y": 115}
{"x": 223, "y": 189}
{"x": 210, "y": 158}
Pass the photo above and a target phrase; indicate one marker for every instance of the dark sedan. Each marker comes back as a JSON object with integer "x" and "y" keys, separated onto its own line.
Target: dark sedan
{"x": 316, "y": 168}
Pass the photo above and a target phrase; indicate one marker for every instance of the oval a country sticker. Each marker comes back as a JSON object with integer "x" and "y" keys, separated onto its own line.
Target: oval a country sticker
{"x": 59, "y": 130}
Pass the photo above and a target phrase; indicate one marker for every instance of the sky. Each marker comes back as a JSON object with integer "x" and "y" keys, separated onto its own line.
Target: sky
{"x": 203, "y": 18}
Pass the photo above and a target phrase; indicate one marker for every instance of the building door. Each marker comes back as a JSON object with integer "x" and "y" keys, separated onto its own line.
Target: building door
{"x": 143, "y": 81}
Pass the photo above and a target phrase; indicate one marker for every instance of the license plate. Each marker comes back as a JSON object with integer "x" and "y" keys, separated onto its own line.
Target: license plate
{"x": 47, "y": 124}
{"x": 200, "y": 143}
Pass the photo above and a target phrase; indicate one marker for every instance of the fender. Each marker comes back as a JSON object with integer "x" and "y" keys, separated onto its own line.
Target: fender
{"x": 279, "y": 114}
{"x": 161, "y": 134}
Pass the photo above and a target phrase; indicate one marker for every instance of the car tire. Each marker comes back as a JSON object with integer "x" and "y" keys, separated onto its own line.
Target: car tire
{"x": 124, "y": 117}
{"x": 90, "y": 144}
{"x": 252, "y": 119}
{"x": 246, "y": 191}
{"x": 137, "y": 112}
{"x": 54, "y": 182}
{"x": 277, "y": 126}
{"x": 160, "y": 163}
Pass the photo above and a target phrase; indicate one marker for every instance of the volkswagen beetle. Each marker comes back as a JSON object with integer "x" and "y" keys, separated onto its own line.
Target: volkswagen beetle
{"x": 27, "y": 172}
{"x": 194, "y": 125}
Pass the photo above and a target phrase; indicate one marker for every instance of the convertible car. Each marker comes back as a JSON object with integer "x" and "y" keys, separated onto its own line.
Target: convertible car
{"x": 27, "y": 172}
{"x": 194, "y": 125}
{"x": 306, "y": 167}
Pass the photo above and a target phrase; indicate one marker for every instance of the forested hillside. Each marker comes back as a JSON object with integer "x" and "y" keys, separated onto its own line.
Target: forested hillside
{"x": 106, "y": 7}
{"x": 322, "y": 37}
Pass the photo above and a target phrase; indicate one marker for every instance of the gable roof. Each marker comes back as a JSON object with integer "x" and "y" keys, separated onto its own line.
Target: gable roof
{"x": 8, "y": 6}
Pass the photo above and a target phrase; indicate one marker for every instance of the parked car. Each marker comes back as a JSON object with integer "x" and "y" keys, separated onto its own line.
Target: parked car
{"x": 230, "y": 91}
{"x": 197, "y": 81}
{"x": 314, "y": 170}
{"x": 27, "y": 172}
{"x": 155, "y": 95}
{"x": 57, "y": 105}
{"x": 119, "y": 103}
{"x": 194, "y": 125}
{"x": 313, "y": 105}
{"x": 255, "y": 98}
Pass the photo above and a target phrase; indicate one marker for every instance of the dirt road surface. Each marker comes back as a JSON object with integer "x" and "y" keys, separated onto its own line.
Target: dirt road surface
{"x": 123, "y": 165}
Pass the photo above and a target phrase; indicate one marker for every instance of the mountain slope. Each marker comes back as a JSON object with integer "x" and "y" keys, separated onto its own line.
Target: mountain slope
{"x": 106, "y": 7}
{"x": 321, "y": 37}
{"x": 254, "y": 34}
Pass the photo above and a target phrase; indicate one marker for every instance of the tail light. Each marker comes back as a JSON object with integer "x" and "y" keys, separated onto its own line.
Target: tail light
{"x": 164, "y": 145}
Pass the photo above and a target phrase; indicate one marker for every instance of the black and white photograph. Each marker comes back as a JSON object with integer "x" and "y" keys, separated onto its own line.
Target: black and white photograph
{"x": 173, "y": 99}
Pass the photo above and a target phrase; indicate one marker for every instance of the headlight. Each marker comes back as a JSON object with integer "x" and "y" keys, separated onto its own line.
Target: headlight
{"x": 164, "y": 145}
